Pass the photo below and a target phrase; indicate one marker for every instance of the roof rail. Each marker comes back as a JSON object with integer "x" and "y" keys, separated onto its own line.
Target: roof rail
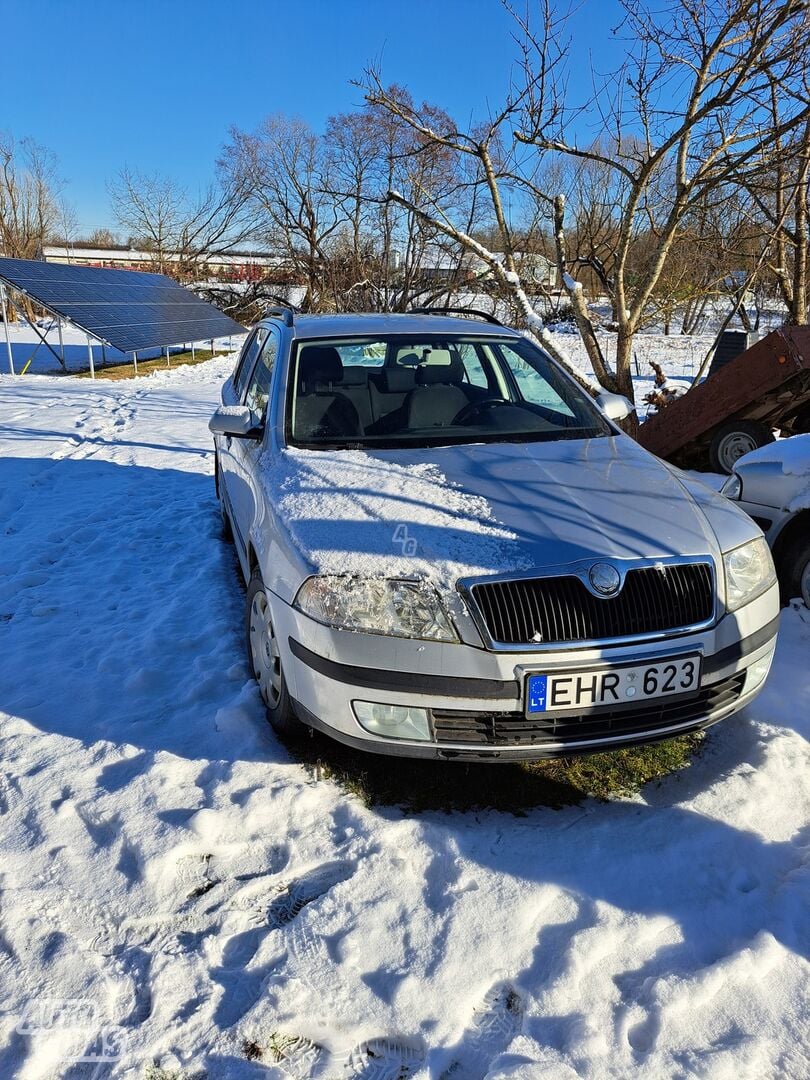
{"x": 284, "y": 310}
{"x": 457, "y": 311}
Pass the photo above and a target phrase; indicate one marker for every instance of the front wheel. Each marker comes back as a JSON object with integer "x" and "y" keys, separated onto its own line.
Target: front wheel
{"x": 264, "y": 658}
{"x": 795, "y": 567}
{"x": 734, "y": 439}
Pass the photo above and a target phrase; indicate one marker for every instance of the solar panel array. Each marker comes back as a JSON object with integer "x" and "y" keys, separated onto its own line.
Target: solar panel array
{"x": 128, "y": 309}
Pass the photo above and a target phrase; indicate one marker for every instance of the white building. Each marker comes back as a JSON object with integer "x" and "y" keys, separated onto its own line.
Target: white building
{"x": 237, "y": 265}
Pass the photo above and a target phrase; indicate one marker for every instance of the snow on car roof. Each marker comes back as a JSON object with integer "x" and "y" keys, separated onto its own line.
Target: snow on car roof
{"x": 322, "y": 326}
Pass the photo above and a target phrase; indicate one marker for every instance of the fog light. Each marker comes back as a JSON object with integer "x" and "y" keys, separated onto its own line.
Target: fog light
{"x": 758, "y": 671}
{"x": 393, "y": 721}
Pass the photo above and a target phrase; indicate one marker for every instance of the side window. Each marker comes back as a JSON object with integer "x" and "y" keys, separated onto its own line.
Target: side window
{"x": 246, "y": 360}
{"x": 533, "y": 386}
{"x": 258, "y": 391}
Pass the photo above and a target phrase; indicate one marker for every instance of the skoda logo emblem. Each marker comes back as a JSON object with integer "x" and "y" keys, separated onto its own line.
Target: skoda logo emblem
{"x": 604, "y": 579}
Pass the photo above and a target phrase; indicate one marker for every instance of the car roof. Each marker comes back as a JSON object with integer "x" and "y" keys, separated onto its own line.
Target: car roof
{"x": 361, "y": 324}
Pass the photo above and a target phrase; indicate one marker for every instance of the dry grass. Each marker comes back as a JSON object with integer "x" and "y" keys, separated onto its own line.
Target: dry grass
{"x": 519, "y": 787}
{"x": 126, "y": 370}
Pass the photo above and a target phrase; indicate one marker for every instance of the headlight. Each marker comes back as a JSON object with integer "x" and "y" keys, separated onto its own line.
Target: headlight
{"x": 749, "y": 572}
{"x": 397, "y": 608}
{"x": 732, "y": 489}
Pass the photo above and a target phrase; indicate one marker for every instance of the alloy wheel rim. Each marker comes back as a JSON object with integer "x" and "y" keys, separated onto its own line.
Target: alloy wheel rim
{"x": 264, "y": 651}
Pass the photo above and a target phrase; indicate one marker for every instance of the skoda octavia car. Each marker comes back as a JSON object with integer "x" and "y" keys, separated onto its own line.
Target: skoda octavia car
{"x": 452, "y": 551}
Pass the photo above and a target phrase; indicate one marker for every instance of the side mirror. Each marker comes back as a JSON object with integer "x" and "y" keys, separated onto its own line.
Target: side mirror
{"x": 615, "y": 406}
{"x": 235, "y": 420}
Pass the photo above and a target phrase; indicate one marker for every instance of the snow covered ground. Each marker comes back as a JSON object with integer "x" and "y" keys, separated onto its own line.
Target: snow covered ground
{"x": 175, "y": 889}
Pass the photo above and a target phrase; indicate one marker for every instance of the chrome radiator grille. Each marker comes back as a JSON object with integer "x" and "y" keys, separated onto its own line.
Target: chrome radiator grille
{"x": 535, "y": 611}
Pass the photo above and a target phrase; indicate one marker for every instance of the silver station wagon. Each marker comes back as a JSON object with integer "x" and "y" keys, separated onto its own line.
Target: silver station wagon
{"x": 452, "y": 551}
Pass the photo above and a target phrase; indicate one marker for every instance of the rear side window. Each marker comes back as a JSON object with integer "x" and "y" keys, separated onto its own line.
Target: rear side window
{"x": 369, "y": 354}
{"x": 247, "y": 360}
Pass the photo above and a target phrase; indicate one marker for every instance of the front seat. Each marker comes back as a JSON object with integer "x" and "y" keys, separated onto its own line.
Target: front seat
{"x": 321, "y": 412}
{"x": 437, "y": 397}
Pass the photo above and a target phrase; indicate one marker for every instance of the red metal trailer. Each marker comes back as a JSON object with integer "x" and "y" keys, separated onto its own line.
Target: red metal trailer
{"x": 766, "y": 388}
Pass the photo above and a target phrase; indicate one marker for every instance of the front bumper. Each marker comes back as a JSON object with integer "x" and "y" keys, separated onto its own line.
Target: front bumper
{"x": 475, "y": 695}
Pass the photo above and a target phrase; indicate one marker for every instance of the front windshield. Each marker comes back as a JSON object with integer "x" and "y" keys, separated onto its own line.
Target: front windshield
{"x": 429, "y": 390}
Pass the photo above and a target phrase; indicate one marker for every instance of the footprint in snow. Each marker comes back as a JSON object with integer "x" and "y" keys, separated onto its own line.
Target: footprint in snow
{"x": 9, "y": 792}
{"x": 297, "y": 894}
{"x": 385, "y": 1059}
{"x": 136, "y": 965}
{"x": 495, "y": 1023}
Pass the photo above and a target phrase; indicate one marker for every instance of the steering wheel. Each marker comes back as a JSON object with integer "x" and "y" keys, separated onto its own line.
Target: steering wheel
{"x": 474, "y": 407}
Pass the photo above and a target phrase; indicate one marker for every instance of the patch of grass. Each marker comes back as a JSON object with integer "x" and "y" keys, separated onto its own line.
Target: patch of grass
{"x": 252, "y": 1050}
{"x": 623, "y": 772}
{"x": 519, "y": 787}
{"x": 126, "y": 369}
{"x": 155, "y": 1072}
{"x": 281, "y": 1047}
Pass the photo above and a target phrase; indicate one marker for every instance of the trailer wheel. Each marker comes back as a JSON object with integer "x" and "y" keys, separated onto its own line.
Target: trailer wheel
{"x": 730, "y": 441}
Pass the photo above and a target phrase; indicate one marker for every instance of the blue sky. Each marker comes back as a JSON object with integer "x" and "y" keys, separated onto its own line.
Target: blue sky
{"x": 156, "y": 85}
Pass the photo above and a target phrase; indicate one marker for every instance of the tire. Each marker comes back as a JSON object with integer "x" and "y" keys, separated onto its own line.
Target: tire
{"x": 730, "y": 441}
{"x": 227, "y": 531}
{"x": 265, "y": 661}
{"x": 794, "y": 570}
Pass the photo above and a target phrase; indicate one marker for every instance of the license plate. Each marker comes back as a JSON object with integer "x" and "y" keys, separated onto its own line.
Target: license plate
{"x": 611, "y": 687}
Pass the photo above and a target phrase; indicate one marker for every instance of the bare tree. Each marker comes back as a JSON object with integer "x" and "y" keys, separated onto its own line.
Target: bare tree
{"x": 686, "y": 117}
{"x": 103, "y": 238}
{"x": 30, "y": 208}
{"x": 682, "y": 120}
{"x": 283, "y": 171}
{"x": 181, "y": 232}
{"x": 492, "y": 167}
{"x": 320, "y": 203}
{"x": 780, "y": 188}
{"x": 66, "y": 227}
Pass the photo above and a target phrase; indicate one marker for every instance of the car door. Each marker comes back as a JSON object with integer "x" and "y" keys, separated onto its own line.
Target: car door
{"x": 245, "y": 453}
{"x": 233, "y": 392}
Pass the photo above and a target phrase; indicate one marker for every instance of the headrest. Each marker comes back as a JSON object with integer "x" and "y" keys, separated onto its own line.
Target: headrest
{"x": 397, "y": 380}
{"x": 319, "y": 364}
{"x": 440, "y": 366}
{"x": 355, "y": 376}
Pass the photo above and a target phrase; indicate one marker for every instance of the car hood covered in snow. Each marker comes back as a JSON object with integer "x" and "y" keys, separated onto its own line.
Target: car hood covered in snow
{"x": 459, "y": 511}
